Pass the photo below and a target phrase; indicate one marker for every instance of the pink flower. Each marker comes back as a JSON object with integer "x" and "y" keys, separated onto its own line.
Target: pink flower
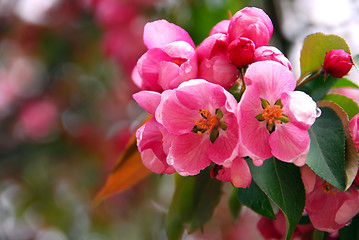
{"x": 170, "y": 60}
{"x": 241, "y": 51}
{"x": 328, "y": 208}
{"x": 274, "y": 119}
{"x": 265, "y": 53}
{"x": 199, "y": 124}
{"x": 214, "y": 63}
{"x": 252, "y": 23}
{"x": 337, "y": 63}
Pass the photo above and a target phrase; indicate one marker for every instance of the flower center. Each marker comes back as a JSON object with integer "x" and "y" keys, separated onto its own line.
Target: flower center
{"x": 209, "y": 124}
{"x": 328, "y": 188}
{"x": 272, "y": 114}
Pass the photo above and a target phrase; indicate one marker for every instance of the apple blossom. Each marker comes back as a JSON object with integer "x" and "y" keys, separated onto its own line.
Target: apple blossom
{"x": 273, "y": 118}
{"x": 171, "y": 57}
{"x": 199, "y": 125}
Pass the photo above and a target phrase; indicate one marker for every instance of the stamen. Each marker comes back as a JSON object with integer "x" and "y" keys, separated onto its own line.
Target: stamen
{"x": 272, "y": 113}
{"x": 207, "y": 123}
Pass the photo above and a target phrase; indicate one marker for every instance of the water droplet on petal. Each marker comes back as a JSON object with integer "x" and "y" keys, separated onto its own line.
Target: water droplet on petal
{"x": 318, "y": 112}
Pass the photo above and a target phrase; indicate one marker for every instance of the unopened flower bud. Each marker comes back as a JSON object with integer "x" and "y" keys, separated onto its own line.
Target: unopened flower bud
{"x": 337, "y": 63}
{"x": 241, "y": 51}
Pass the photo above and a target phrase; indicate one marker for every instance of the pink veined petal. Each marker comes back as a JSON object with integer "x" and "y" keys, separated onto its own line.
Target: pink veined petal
{"x": 288, "y": 142}
{"x": 160, "y": 33}
{"x": 213, "y": 45}
{"x": 149, "y": 100}
{"x": 222, "y": 149}
{"x": 271, "y": 78}
{"x": 188, "y": 153}
{"x": 254, "y": 134}
{"x": 221, "y": 27}
{"x": 201, "y": 95}
{"x": 240, "y": 174}
{"x": 173, "y": 115}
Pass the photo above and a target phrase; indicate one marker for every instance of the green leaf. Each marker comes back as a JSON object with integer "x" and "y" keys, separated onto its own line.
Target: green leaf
{"x": 234, "y": 204}
{"x": 282, "y": 183}
{"x": 326, "y": 156}
{"x": 347, "y": 104}
{"x": 318, "y": 88}
{"x": 344, "y": 82}
{"x": 254, "y": 198}
{"x": 192, "y": 204}
{"x": 351, "y": 152}
{"x": 315, "y": 47}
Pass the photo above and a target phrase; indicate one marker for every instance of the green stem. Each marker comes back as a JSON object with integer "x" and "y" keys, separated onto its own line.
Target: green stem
{"x": 303, "y": 80}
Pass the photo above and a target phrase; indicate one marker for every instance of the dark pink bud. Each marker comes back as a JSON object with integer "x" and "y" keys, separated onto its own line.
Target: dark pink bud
{"x": 241, "y": 51}
{"x": 337, "y": 63}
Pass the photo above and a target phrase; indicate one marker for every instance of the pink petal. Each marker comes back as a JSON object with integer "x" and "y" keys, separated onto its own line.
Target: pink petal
{"x": 219, "y": 70}
{"x": 299, "y": 108}
{"x": 349, "y": 208}
{"x": 271, "y": 78}
{"x": 288, "y": 142}
{"x": 148, "y": 70}
{"x": 136, "y": 78}
{"x": 254, "y": 134}
{"x": 225, "y": 145}
{"x": 221, "y": 27}
{"x": 173, "y": 115}
{"x": 168, "y": 73}
{"x": 240, "y": 174}
{"x": 308, "y": 177}
{"x": 199, "y": 94}
{"x": 149, "y": 100}
{"x": 160, "y": 33}
{"x": 188, "y": 154}
{"x": 154, "y": 164}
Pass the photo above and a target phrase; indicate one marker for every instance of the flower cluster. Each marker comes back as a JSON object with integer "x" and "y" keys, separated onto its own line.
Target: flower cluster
{"x": 198, "y": 122}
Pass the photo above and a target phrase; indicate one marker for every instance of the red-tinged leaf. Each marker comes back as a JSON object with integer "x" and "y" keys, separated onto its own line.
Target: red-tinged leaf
{"x": 127, "y": 171}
